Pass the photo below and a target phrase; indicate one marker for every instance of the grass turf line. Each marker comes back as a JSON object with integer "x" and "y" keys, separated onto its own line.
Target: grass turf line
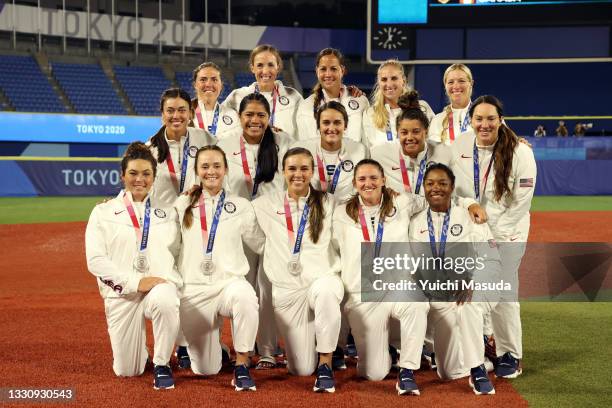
{"x": 567, "y": 354}
{"x": 571, "y": 203}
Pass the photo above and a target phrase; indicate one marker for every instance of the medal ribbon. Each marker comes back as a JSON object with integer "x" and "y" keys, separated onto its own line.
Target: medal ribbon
{"x": 406, "y": 179}
{"x": 251, "y": 185}
{"x": 297, "y": 243}
{"x": 389, "y": 133}
{"x": 142, "y": 236}
{"x": 170, "y": 163}
{"x": 323, "y": 175}
{"x": 209, "y": 239}
{"x": 213, "y": 127}
{"x": 366, "y": 233}
{"x": 477, "y": 172}
{"x": 443, "y": 235}
{"x": 464, "y": 124}
{"x": 275, "y": 94}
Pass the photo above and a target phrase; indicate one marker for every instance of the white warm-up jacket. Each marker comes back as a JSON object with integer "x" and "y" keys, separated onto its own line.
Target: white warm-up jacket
{"x": 436, "y": 127}
{"x": 227, "y": 123}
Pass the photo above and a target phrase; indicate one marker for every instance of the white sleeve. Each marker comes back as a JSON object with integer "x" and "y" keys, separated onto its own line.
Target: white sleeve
{"x": 231, "y": 100}
{"x": 305, "y": 122}
{"x": 252, "y": 235}
{"x": 369, "y": 131}
{"x": 99, "y": 263}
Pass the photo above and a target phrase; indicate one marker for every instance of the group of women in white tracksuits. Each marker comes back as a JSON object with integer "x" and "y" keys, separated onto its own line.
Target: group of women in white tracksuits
{"x": 255, "y": 210}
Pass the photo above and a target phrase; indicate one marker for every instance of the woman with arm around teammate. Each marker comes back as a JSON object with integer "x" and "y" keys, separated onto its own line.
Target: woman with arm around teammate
{"x": 303, "y": 267}
{"x": 215, "y": 226}
{"x": 379, "y": 120}
{"x": 330, "y": 69}
{"x": 266, "y": 63}
{"x": 494, "y": 168}
{"x": 335, "y": 155}
{"x": 218, "y": 120}
{"x": 174, "y": 147}
{"x": 131, "y": 247}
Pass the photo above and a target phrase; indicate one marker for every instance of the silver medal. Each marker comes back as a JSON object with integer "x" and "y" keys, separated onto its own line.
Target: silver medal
{"x": 141, "y": 263}
{"x": 207, "y": 266}
{"x": 294, "y": 267}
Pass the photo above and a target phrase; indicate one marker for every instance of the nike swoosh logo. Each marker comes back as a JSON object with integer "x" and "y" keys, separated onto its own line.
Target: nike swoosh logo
{"x": 480, "y": 378}
{"x": 119, "y": 212}
{"x": 513, "y": 239}
{"x": 463, "y": 156}
{"x": 324, "y": 376}
{"x": 422, "y": 231}
{"x": 236, "y": 153}
{"x": 394, "y": 168}
{"x": 243, "y": 376}
{"x": 280, "y": 212}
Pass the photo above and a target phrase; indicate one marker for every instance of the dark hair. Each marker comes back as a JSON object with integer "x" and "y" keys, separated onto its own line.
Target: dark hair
{"x": 442, "y": 167}
{"x": 334, "y": 105}
{"x": 194, "y": 76}
{"x": 158, "y": 140}
{"x": 386, "y": 205}
{"x": 195, "y": 194}
{"x": 267, "y": 156}
{"x": 411, "y": 109}
{"x": 137, "y": 151}
{"x": 315, "y": 200}
{"x": 507, "y": 141}
{"x": 318, "y": 88}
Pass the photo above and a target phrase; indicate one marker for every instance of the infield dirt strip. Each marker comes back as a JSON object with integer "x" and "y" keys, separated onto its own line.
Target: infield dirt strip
{"x": 54, "y": 334}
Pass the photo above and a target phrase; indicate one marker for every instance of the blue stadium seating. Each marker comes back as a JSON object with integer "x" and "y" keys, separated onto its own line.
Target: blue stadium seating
{"x": 88, "y": 88}
{"x": 26, "y": 87}
{"x": 143, "y": 86}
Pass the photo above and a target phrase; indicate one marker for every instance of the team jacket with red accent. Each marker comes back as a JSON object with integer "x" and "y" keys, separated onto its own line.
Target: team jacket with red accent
{"x": 387, "y": 154}
{"x": 508, "y": 217}
{"x": 237, "y": 227}
{"x": 111, "y": 246}
{"x": 351, "y": 153}
{"x": 436, "y": 127}
{"x": 374, "y": 136}
{"x": 164, "y": 193}
{"x": 235, "y": 179}
{"x": 354, "y": 107}
{"x": 348, "y": 236}
{"x": 461, "y": 229}
{"x": 317, "y": 259}
{"x": 287, "y": 103}
{"x": 227, "y": 123}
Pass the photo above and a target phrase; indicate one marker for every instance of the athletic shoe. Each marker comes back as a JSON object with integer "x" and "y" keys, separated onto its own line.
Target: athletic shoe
{"x": 430, "y": 358}
{"x": 490, "y": 349}
{"x": 162, "y": 378}
{"x": 182, "y": 356}
{"x": 405, "y": 383}
{"x": 325, "y": 380}
{"x": 479, "y": 381}
{"x": 338, "y": 362}
{"x": 508, "y": 366}
{"x": 351, "y": 349}
{"x": 394, "y": 357}
{"x": 242, "y": 379}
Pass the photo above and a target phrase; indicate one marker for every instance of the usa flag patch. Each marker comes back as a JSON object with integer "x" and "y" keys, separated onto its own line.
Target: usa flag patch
{"x": 526, "y": 182}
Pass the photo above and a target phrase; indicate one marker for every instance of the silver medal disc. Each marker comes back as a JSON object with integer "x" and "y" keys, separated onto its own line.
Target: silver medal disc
{"x": 141, "y": 263}
{"x": 207, "y": 267}
{"x": 295, "y": 268}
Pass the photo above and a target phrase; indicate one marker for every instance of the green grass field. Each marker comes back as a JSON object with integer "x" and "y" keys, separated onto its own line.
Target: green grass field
{"x": 566, "y": 344}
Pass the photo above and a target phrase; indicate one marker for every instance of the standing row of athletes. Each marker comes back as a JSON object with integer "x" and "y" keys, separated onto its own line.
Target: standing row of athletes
{"x": 287, "y": 189}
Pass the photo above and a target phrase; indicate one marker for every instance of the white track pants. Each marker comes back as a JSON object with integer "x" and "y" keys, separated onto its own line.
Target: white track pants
{"x": 202, "y": 313}
{"x": 125, "y": 317}
{"x": 309, "y": 321}
{"x": 370, "y": 325}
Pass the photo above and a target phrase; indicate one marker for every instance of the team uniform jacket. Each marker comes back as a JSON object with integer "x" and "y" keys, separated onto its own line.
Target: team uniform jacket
{"x": 228, "y": 122}
{"x": 307, "y": 125}
{"x": 436, "y": 128}
{"x": 348, "y": 237}
{"x": 164, "y": 192}
{"x": 374, "y": 136}
{"x": 111, "y": 246}
{"x": 237, "y": 227}
{"x": 287, "y": 103}
{"x": 351, "y": 153}
{"x": 387, "y": 154}
{"x": 508, "y": 218}
{"x": 317, "y": 260}
{"x": 235, "y": 180}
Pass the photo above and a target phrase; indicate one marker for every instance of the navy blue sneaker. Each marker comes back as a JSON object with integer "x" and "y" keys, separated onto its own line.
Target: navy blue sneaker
{"x": 405, "y": 383}
{"x": 338, "y": 362}
{"x": 394, "y": 357}
{"x": 182, "y": 357}
{"x": 351, "y": 349}
{"x": 242, "y": 379}
{"x": 479, "y": 381}
{"x": 162, "y": 378}
{"x": 490, "y": 350}
{"x": 325, "y": 380}
{"x": 507, "y": 366}
{"x": 430, "y": 358}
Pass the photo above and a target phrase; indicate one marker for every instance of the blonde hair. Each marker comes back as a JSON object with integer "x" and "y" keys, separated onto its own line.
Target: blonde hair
{"x": 381, "y": 116}
{"x": 266, "y": 48}
{"x": 447, "y": 109}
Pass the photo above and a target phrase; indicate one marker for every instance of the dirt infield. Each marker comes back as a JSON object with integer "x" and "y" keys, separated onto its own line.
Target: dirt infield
{"x": 54, "y": 333}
